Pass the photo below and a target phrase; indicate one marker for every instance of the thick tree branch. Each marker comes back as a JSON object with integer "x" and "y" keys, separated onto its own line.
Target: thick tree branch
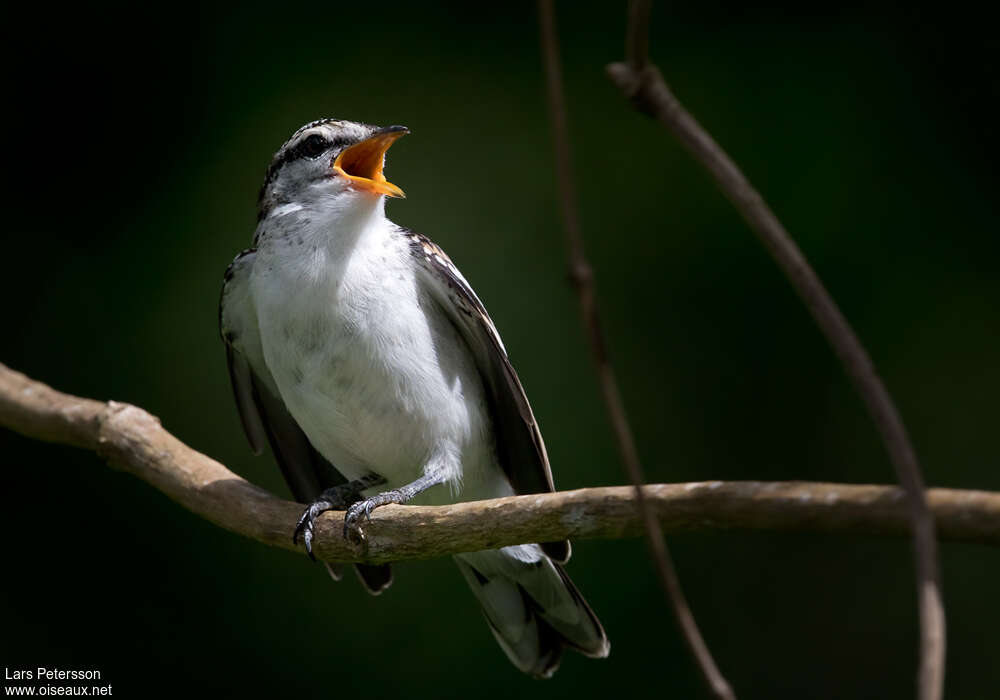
{"x": 132, "y": 440}
{"x": 643, "y": 84}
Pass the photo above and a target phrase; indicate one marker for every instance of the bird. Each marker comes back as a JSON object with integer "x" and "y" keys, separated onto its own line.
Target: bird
{"x": 363, "y": 357}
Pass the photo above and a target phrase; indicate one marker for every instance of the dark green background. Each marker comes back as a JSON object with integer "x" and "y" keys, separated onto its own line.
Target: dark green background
{"x": 135, "y": 144}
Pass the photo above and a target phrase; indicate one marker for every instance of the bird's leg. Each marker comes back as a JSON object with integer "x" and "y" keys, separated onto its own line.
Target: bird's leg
{"x": 337, "y": 497}
{"x": 363, "y": 509}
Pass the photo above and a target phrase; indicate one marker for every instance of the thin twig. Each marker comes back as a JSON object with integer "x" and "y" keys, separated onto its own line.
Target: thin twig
{"x": 583, "y": 280}
{"x": 134, "y": 441}
{"x": 643, "y": 84}
{"x": 636, "y": 37}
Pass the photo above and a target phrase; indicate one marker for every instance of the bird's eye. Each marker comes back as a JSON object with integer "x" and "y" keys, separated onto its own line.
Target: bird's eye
{"x": 313, "y": 146}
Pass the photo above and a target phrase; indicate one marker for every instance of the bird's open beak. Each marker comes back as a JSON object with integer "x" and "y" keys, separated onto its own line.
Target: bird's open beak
{"x": 362, "y": 163}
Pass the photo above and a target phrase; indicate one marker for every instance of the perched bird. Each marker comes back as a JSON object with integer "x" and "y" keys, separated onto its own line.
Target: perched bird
{"x": 362, "y": 355}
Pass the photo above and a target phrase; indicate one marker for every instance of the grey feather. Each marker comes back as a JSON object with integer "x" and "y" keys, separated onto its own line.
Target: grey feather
{"x": 533, "y": 609}
{"x": 241, "y": 378}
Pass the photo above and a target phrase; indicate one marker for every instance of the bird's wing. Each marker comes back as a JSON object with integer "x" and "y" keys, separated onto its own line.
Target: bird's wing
{"x": 520, "y": 448}
{"x": 264, "y": 415}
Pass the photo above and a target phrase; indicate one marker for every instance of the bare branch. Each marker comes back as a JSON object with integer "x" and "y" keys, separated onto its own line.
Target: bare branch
{"x": 133, "y": 441}
{"x": 645, "y": 87}
{"x": 583, "y": 279}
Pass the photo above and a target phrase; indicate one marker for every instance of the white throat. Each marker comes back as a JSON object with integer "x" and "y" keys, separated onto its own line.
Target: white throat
{"x": 332, "y": 221}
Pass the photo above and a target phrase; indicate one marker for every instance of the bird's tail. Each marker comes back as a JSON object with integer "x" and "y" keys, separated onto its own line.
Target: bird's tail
{"x": 532, "y": 607}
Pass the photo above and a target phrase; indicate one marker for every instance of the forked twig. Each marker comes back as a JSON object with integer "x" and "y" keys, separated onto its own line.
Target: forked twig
{"x": 643, "y": 84}
{"x": 583, "y": 281}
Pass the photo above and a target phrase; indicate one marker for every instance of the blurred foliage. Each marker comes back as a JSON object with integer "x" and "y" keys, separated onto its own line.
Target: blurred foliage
{"x": 137, "y": 139}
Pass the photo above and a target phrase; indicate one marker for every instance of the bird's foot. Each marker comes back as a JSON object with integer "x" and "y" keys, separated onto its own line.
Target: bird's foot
{"x": 362, "y": 511}
{"x": 335, "y": 498}
{"x": 305, "y": 524}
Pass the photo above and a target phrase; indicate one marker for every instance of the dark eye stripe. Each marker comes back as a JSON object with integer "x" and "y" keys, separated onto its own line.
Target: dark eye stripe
{"x": 310, "y": 147}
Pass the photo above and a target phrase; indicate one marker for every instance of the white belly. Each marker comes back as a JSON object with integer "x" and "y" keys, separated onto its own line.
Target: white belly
{"x": 376, "y": 384}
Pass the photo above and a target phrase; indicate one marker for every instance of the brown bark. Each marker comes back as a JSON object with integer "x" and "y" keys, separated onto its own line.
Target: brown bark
{"x": 132, "y": 440}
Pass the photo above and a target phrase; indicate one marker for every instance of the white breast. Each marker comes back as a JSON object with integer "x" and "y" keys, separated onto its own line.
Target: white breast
{"x": 377, "y": 378}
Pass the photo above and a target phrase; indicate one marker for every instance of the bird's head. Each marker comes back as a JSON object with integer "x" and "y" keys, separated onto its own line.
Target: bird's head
{"x": 330, "y": 163}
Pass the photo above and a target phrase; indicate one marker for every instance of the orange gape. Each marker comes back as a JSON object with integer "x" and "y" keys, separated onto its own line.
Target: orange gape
{"x": 362, "y": 163}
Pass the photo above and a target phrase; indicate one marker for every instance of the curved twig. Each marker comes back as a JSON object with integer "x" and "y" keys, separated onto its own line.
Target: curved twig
{"x": 134, "y": 441}
{"x": 583, "y": 280}
{"x": 643, "y": 84}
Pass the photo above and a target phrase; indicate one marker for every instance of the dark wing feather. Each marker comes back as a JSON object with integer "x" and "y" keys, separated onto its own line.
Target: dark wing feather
{"x": 241, "y": 378}
{"x": 263, "y": 413}
{"x": 520, "y": 449}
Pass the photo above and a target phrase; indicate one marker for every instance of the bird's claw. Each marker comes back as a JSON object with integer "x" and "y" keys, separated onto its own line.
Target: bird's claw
{"x": 336, "y": 497}
{"x": 362, "y": 510}
{"x": 305, "y": 525}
